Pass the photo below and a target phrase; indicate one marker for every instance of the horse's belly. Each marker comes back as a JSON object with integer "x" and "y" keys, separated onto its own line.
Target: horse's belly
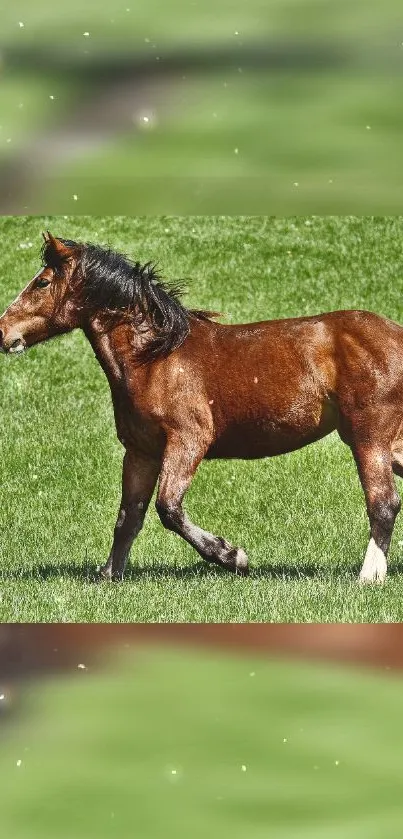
{"x": 265, "y": 437}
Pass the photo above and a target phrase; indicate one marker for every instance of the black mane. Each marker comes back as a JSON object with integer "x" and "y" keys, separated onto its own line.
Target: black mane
{"x": 112, "y": 283}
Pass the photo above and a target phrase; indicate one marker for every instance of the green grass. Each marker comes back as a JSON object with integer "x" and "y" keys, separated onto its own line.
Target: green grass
{"x": 300, "y": 517}
{"x": 178, "y": 744}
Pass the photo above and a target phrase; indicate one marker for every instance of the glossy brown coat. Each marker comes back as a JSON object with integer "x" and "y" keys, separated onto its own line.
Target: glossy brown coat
{"x": 245, "y": 391}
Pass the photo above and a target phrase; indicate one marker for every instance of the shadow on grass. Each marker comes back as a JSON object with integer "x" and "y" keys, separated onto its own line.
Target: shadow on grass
{"x": 89, "y": 574}
{"x": 274, "y": 571}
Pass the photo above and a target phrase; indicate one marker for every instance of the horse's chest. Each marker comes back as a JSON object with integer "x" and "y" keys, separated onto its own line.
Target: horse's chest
{"x": 135, "y": 429}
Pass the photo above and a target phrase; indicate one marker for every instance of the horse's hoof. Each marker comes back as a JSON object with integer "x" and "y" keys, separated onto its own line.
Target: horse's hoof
{"x": 365, "y": 580}
{"x": 238, "y": 562}
{"x": 103, "y": 576}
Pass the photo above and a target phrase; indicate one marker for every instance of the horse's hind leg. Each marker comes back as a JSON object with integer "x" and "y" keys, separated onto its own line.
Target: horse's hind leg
{"x": 374, "y": 465}
{"x": 177, "y": 472}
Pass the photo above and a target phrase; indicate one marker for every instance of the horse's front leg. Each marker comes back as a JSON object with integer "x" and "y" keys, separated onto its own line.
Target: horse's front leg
{"x": 179, "y": 465}
{"x": 138, "y": 482}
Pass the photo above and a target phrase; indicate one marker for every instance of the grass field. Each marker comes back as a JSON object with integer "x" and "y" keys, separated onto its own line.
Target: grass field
{"x": 173, "y": 744}
{"x": 301, "y": 517}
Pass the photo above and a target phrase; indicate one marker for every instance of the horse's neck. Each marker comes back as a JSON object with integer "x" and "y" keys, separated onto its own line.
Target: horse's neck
{"x": 112, "y": 348}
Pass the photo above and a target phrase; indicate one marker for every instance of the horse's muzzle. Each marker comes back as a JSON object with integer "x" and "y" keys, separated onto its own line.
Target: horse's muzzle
{"x": 14, "y": 344}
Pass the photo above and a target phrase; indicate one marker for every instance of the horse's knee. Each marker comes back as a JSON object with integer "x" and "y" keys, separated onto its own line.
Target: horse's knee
{"x": 170, "y": 514}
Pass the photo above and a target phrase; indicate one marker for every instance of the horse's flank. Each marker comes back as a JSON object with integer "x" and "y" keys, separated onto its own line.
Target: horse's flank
{"x": 262, "y": 388}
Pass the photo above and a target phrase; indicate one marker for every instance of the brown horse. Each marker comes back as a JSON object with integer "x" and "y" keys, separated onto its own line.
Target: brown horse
{"x": 186, "y": 388}
{"x": 35, "y": 649}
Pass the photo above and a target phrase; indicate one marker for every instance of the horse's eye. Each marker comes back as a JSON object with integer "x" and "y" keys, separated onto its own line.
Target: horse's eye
{"x": 42, "y": 283}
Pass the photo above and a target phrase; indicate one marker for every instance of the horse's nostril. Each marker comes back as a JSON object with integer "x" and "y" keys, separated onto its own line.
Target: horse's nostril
{"x": 17, "y": 346}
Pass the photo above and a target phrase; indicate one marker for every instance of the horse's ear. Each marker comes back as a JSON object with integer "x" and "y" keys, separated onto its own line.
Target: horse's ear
{"x": 59, "y": 248}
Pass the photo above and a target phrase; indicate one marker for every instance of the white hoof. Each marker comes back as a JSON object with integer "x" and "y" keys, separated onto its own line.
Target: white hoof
{"x": 374, "y": 568}
{"x": 241, "y": 562}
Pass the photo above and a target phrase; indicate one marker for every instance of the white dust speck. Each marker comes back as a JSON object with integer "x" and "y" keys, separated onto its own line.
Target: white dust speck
{"x": 173, "y": 773}
{"x": 256, "y": 380}
{"x": 285, "y": 740}
{"x": 181, "y": 370}
{"x": 19, "y": 762}
{"x": 252, "y": 674}
{"x": 211, "y": 401}
{"x": 146, "y": 40}
{"x": 21, "y": 24}
{"x": 81, "y": 667}
{"x": 86, "y": 34}
{"x": 243, "y": 768}
{"x": 51, "y": 97}
{"x": 2, "y": 696}
{"x": 75, "y": 197}
{"x": 337, "y": 763}
{"x": 166, "y": 229}
{"x": 296, "y": 183}
{"x": 331, "y": 180}
{"x": 236, "y": 151}
{"x": 236, "y": 32}
{"x": 145, "y": 119}
{"x": 368, "y": 127}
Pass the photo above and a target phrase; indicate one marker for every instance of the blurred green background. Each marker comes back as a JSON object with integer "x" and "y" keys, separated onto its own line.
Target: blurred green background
{"x": 280, "y": 106}
{"x": 170, "y": 743}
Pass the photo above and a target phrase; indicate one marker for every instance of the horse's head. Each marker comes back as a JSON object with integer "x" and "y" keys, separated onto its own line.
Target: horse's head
{"x": 44, "y": 308}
